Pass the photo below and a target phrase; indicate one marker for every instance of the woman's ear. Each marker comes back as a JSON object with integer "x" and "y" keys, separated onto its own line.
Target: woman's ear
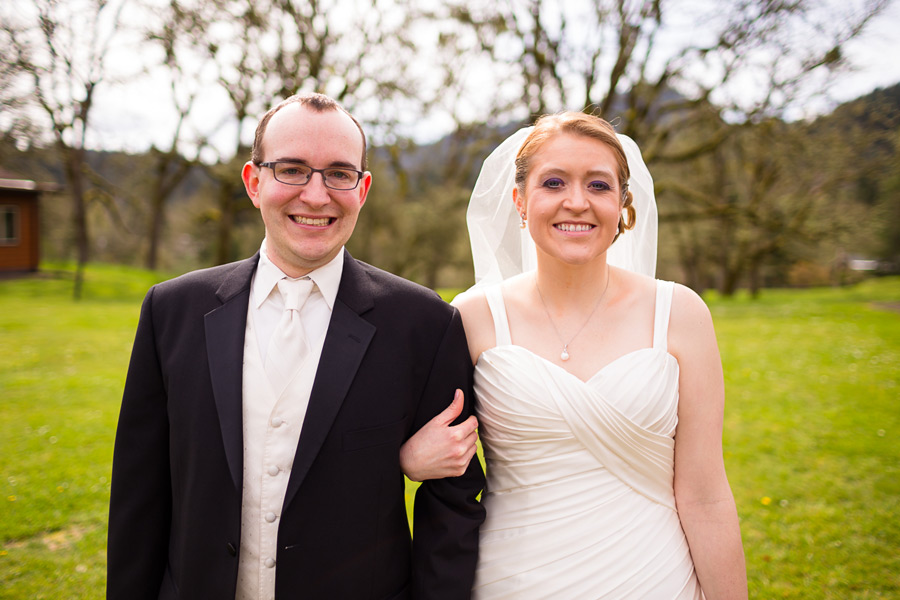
{"x": 519, "y": 201}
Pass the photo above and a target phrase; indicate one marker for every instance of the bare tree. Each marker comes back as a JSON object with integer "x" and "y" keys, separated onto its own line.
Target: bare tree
{"x": 649, "y": 61}
{"x": 662, "y": 68}
{"x": 57, "y": 53}
{"x": 262, "y": 51}
{"x": 173, "y": 162}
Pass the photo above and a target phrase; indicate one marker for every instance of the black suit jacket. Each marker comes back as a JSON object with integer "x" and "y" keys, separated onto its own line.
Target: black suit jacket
{"x": 393, "y": 355}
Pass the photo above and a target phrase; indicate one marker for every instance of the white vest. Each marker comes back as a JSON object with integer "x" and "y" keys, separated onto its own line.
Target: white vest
{"x": 271, "y": 432}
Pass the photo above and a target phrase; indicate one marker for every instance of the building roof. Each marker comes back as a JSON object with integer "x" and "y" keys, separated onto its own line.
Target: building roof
{"x": 12, "y": 181}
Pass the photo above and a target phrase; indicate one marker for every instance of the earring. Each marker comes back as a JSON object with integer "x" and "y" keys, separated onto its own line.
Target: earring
{"x": 521, "y": 221}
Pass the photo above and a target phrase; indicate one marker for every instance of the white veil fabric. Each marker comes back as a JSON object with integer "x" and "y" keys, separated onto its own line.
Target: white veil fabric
{"x": 501, "y": 249}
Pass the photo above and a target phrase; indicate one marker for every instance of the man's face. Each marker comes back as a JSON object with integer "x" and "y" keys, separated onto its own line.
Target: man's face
{"x": 307, "y": 225}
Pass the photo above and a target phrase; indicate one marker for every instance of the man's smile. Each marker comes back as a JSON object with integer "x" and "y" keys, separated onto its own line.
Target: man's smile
{"x": 315, "y": 222}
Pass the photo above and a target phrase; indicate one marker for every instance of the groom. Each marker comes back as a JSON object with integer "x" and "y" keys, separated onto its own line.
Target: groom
{"x": 252, "y": 464}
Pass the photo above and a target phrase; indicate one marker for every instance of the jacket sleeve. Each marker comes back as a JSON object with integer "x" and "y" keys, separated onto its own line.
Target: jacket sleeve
{"x": 140, "y": 498}
{"x": 447, "y": 514}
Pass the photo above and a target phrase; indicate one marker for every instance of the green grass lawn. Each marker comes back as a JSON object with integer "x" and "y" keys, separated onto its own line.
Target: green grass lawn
{"x": 811, "y": 432}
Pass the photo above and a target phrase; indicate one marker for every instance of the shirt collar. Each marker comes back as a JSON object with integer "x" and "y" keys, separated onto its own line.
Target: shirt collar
{"x": 327, "y": 277}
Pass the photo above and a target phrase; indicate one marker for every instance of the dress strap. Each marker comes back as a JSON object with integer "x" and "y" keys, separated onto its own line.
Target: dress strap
{"x": 664, "y": 290}
{"x": 494, "y": 296}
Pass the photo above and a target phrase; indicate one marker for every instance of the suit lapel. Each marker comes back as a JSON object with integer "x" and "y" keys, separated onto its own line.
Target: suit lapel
{"x": 225, "y": 327}
{"x": 345, "y": 345}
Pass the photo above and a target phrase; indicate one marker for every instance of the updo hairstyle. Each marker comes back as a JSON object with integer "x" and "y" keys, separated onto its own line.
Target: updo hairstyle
{"x": 578, "y": 123}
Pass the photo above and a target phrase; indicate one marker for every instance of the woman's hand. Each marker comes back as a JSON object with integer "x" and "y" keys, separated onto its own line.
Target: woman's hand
{"x": 439, "y": 449}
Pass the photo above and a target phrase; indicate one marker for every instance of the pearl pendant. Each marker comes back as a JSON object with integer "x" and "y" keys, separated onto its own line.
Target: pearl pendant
{"x": 565, "y": 354}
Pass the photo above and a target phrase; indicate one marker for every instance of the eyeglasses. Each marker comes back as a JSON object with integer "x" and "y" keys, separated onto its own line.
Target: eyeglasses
{"x": 336, "y": 178}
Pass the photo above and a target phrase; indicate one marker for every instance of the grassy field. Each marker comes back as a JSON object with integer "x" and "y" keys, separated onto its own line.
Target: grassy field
{"x": 811, "y": 433}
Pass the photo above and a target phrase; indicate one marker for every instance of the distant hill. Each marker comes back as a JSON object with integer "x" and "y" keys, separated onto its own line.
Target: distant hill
{"x": 458, "y": 155}
{"x": 878, "y": 110}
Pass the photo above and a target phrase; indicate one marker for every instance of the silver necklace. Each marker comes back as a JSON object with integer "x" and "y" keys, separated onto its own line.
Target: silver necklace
{"x": 564, "y": 355}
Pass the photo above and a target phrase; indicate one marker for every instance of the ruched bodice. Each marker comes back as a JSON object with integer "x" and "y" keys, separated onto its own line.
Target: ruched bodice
{"x": 579, "y": 498}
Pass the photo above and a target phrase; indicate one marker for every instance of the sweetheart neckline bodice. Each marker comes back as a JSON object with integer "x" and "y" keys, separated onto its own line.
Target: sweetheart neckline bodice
{"x": 590, "y": 379}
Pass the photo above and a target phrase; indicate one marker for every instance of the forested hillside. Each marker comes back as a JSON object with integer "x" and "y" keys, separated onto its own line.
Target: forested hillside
{"x": 775, "y": 204}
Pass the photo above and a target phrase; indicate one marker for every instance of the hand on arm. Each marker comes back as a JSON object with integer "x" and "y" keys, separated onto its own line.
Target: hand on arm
{"x": 447, "y": 514}
{"x": 703, "y": 496}
{"x": 441, "y": 449}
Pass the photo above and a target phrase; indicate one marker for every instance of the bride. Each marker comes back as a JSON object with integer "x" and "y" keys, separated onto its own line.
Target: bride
{"x": 599, "y": 390}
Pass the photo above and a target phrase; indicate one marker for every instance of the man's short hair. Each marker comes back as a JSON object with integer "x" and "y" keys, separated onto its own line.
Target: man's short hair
{"x": 315, "y": 102}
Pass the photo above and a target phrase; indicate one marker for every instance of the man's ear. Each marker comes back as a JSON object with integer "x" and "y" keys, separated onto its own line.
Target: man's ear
{"x": 364, "y": 184}
{"x": 250, "y": 176}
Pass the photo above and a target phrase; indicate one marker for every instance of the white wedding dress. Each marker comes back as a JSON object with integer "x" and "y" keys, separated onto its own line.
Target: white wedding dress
{"x": 579, "y": 494}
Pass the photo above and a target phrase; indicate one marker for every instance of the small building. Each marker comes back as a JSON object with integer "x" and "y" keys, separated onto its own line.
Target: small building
{"x": 20, "y": 238}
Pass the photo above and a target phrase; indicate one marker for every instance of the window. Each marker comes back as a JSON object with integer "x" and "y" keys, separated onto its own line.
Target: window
{"x": 9, "y": 225}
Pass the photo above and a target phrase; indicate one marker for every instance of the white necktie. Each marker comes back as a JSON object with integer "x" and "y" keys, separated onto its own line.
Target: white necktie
{"x": 288, "y": 346}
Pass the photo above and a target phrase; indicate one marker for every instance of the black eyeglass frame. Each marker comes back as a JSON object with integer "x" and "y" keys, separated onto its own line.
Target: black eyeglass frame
{"x": 272, "y": 164}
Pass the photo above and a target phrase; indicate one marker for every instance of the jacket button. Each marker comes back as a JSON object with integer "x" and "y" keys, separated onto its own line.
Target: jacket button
{"x": 231, "y": 549}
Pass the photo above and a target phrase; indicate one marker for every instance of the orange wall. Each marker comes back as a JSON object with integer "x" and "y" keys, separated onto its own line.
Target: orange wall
{"x": 24, "y": 255}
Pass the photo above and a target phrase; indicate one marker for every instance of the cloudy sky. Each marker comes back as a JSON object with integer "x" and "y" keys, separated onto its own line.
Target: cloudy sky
{"x": 132, "y": 115}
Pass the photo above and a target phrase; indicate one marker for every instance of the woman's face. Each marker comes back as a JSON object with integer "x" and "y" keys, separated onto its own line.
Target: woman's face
{"x": 572, "y": 198}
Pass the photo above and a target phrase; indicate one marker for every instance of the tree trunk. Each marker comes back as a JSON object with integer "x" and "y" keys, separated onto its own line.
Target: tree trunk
{"x": 431, "y": 274}
{"x": 755, "y": 279}
{"x": 731, "y": 276}
{"x": 691, "y": 267}
{"x": 157, "y": 217}
{"x": 73, "y": 158}
{"x": 226, "y": 221}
